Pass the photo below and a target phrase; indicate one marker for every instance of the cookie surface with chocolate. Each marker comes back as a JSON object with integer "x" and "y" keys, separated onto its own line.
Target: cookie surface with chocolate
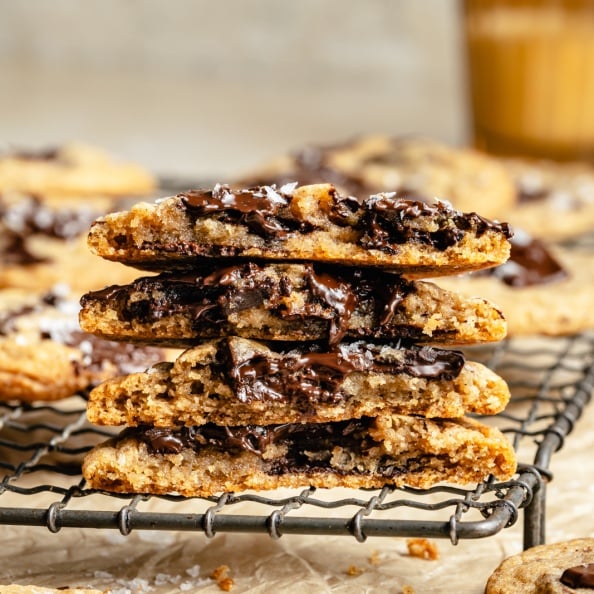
{"x": 312, "y": 223}
{"x": 542, "y": 289}
{"x": 287, "y": 302}
{"x": 45, "y": 356}
{"x": 470, "y": 180}
{"x": 364, "y": 453}
{"x": 559, "y": 568}
{"x": 238, "y": 381}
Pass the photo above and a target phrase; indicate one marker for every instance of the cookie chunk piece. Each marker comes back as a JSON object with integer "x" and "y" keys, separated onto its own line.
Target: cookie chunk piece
{"x": 239, "y": 381}
{"x": 364, "y": 453}
{"x": 287, "y": 302}
{"x": 555, "y": 200}
{"x": 542, "y": 289}
{"x": 72, "y": 169}
{"x": 45, "y": 356}
{"x": 415, "y": 166}
{"x": 562, "y": 568}
{"x": 313, "y": 223}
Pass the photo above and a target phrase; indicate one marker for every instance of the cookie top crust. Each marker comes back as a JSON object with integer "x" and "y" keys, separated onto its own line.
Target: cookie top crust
{"x": 313, "y": 223}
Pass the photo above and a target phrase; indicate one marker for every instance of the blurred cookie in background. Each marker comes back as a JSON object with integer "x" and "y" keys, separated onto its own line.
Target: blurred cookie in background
{"x": 72, "y": 171}
{"x": 419, "y": 167}
{"x": 42, "y": 244}
{"x": 555, "y": 200}
{"x": 542, "y": 289}
{"x": 45, "y": 356}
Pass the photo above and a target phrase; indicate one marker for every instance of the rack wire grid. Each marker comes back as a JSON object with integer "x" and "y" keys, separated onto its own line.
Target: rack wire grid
{"x": 551, "y": 380}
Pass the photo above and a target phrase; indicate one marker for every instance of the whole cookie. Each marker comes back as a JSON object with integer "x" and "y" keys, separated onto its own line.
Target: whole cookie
{"x": 470, "y": 180}
{"x": 547, "y": 569}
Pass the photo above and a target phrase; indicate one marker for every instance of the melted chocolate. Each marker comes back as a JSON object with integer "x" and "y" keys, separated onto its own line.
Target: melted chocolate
{"x": 319, "y": 437}
{"x": 210, "y": 294}
{"x": 338, "y": 295}
{"x": 127, "y": 358}
{"x": 388, "y": 217}
{"x": 258, "y": 208}
{"x": 530, "y": 263}
{"x": 307, "y": 447}
{"x": 14, "y": 250}
{"x": 31, "y": 216}
{"x": 316, "y": 377}
{"x": 384, "y": 220}
{"x": 580, "y": 576}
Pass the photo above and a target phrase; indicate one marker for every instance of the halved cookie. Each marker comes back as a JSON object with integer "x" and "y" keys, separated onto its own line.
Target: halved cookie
{"x": 312, "y": 223}
{"x": 236, "y": 381}
{"x": 287, "y": 302}
{"x": 365, "y": 453}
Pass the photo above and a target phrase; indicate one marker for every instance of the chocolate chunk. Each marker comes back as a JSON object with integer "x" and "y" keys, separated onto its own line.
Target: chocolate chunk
{"x": 316, "y": 376}
{"x": 257, "y": 208}
{"x": 530, "y": 263}
{"x": 212, "y": 293}
{"x": 47, "y": 154}
{"x": 390, "y": 220}
{"x": 580, "y": 576}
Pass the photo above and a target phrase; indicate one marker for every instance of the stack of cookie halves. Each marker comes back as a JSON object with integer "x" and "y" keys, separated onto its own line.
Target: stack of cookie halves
{"x": 310, "y": 354}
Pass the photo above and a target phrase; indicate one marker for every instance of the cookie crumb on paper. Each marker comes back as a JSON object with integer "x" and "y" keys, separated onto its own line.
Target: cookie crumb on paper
{"x": 422, "y": 548}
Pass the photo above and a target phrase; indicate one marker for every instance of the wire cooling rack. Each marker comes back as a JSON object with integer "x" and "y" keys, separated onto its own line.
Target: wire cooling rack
{"x": 41, "y": 449}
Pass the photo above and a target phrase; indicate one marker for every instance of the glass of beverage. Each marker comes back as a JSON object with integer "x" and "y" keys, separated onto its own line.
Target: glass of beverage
{"x": 531, "y": 77}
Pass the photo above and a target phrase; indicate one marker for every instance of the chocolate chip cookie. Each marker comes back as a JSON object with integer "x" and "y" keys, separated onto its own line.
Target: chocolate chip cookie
{"x": 308, "y": 223}
{"x": 42, "y": 244}
{"x": 235, "y": 381}
{"x": 359, "y": 453}
{"x": 72, "y": 169}
{"x": 555, "y": 200}
{"x": 542, "y": 289}
{"x": 45, "y": 356}
{"x": 562, "y": 568}
{"x": 287, "y": 302}
{"x": 413, "y": 166}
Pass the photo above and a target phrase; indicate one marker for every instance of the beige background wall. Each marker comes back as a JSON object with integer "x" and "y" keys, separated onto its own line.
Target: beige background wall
{"x": 209, "y": 87}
